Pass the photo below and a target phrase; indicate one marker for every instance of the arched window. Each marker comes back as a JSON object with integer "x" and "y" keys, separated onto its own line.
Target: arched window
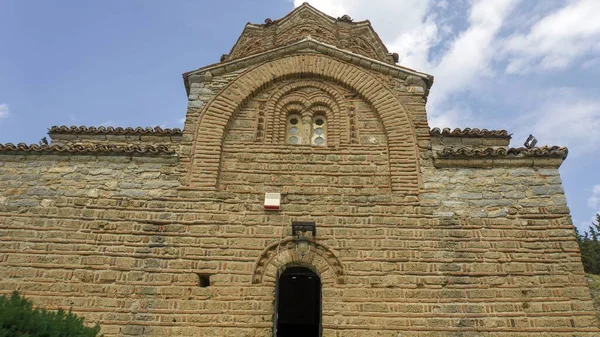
{"x": 294, "y": 129}
{"x": 319, "y": 131}
{"x": 306, "y": 130}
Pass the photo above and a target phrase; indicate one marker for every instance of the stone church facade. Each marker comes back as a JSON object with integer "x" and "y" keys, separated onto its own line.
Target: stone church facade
{"x": 407, "y": 230}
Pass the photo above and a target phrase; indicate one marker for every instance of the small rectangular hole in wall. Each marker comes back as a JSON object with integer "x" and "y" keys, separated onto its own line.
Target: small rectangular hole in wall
{"x": 572, "y": 323}
{"x": 203, "y": 280}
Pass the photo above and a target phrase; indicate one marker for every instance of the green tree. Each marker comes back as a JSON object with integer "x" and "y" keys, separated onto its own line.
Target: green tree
{"x": 590, "y": 247}
{"x": 18, "y": 318}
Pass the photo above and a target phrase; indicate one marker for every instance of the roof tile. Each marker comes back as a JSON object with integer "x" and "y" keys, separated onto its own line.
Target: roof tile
{"x": 468, "y": 132}
{"x": 87, "y": 148}
{"x": 546, "y": 151}
{"x": 113, "y": 130}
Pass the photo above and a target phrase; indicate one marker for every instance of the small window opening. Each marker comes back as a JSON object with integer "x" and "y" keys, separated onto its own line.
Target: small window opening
{"x": 311, "y": 131}
{"x": 319, "y": 136}
{"x": 294, "y": 130}
{"x": 203, "y": 280}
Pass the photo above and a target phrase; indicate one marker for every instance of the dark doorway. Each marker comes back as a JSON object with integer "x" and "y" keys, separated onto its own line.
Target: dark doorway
{"x": 298, "y": 303}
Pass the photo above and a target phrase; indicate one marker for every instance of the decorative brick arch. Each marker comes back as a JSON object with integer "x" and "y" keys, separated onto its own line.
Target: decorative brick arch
{"x": 281, "y": 255}
{"x": 277, "y": 132}
{"x": 210, "y": 131}
{"x": 336, "y": 109}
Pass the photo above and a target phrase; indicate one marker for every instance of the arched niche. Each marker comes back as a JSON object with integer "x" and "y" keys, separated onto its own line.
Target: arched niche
{"x": 325, "y": 94}
{"x": 203, "y": 170}
{"x": 296, "y": 101}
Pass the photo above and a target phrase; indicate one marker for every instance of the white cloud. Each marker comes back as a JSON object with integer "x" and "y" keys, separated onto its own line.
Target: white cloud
{"x": 471, "y": 53}
{"x": 329, "y": 7}
{"x": 591, "y": 65}
{"x": 429, "y": 36}
{"x": 414, "y": 44}
{"x": 556, "y": 40}
{"x": 455, "y": 116}
{"x": 413, "y": 29}
{"x": 565, "y": 117}
{"x": 3, "y": 111}
{"x": 406, "y": 27}
{"x": 473, "y": 46}
{"x": 390, "y": 18}
{"x": 594, "y": 200}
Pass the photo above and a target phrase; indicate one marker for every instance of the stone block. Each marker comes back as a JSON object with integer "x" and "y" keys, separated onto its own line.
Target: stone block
{"x": 182, "y": 246}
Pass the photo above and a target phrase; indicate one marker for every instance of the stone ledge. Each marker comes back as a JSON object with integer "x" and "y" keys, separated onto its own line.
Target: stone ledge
{"x": 545, "y": 151}
{"x": 501, "y": 157}
{"x": 497, "y": 162}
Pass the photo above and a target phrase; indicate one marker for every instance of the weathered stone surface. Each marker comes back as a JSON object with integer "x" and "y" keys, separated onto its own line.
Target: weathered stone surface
{"x": 403, "y": 248}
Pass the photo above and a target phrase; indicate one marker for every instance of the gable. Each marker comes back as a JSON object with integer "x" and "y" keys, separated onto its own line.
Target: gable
{"x": 218, "y": 116}
{"x": 308, "y": 44}
{"x": 357, "y": 37}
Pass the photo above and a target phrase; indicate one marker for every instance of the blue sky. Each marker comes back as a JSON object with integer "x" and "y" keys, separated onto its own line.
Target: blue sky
{"x": 528, "y": 66}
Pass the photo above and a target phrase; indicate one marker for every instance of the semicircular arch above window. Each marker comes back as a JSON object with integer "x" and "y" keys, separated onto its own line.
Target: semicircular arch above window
{"x": 309, "y": 102}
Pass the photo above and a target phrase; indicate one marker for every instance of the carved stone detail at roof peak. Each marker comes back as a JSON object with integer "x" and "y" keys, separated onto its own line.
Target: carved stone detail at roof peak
{"x": 345, "y": 18}
{"x": 305, "y": 20}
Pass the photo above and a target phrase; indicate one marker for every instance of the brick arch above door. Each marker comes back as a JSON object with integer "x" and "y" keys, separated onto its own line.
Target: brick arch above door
{"x": 281, "y": 255}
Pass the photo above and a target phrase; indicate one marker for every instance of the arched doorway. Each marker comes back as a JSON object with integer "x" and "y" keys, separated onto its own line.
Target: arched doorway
{"x": 297, "y": 303}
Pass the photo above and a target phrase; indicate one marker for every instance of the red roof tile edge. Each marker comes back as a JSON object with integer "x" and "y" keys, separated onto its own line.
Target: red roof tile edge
{"x": 113, "y": 130}
{"x": 88, "y": 148}
{"x": 468, "y": 132}
{"x": 546, "y": 151}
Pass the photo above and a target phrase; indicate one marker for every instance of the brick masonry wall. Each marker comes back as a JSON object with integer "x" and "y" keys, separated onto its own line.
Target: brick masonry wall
{"x": 122, "y": 240}
{"x": 203, "y": 157}
{"x": 347, "y": 165}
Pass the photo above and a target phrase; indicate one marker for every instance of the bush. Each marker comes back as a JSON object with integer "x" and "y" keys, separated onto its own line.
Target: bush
{"x": 589, "y": 245}
{"x": 18, "y": 318}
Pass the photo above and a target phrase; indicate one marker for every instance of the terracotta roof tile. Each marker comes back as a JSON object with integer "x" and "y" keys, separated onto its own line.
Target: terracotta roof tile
{"x": 113, "y": 130}
{"x": 468, "y": 132}
{"x": 88, "y": 148}
{"x": 553, "y": 151}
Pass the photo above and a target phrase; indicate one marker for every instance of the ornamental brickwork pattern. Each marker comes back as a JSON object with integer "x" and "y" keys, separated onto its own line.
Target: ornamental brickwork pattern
{"x": 420, "y": 232}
